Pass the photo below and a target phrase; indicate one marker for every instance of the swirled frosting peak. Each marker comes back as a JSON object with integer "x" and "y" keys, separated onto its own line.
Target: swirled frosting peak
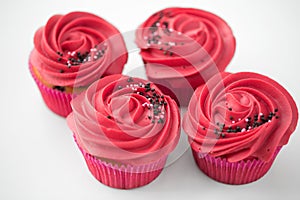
{"x": 125, "y": 119}
{"x": 76, "y": 49}
{"x": 240, "y": 116}
{"x": 185, "y": 43}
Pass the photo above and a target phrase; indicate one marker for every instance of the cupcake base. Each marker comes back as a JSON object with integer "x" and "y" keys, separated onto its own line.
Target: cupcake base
{"x": 123, "y": 177}
{"x": 56, "y": 101}
{"x": 236, "y": 173}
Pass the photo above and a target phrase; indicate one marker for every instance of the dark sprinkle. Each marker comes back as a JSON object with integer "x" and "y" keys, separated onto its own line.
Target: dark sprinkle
{"x": 230, "y": 109}
{"x": 60, "y": 88}
{"x": 161, "y": 121}
{"x": 61, "y": 71}
{"x": 120, "y": 87}
{"x": 109, "y": 117}
{"x": 130, "y": 79}
{"x": 231, "y": 118}
{"x": 276, "y": 110}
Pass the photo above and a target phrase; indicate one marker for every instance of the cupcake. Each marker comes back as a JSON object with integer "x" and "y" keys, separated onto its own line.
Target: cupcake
{"x": 72, "y": 51}
{"x": 125, "y": 128}
{"x": 182, "y": 48}
{"x": 237, "y": 124}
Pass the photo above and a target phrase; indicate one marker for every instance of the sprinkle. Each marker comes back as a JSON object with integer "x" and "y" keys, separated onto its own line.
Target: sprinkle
{"x": 276, "y": 110}
{"x": 243, "y": 130}
{"x": 231, "y": 118}
{"x": 130, "y": 79}
{"x": 203, "y": 128}
{"x": 230, "y": 109}
{"x": 120, "y": 87}
{"x": 60, "y": 88}
{"x": 277, "y": 117}
{"x": 109, "y": 117}
{"x": 233, "y": 122}
{"x": 61, "y": 71}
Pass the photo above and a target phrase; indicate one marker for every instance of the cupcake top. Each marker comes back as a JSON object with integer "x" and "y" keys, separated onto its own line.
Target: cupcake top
{"x": 125, "y": 119}
{"x": 76, "y": 49}
{"x": 240, "y": 116}
{"x": 186, "y": 40}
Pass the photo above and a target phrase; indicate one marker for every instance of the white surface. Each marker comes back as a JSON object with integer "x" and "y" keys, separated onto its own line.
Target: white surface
{"x": 39, "y": 159}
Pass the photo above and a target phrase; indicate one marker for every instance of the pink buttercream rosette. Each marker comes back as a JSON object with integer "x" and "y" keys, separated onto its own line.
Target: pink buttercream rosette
{"x": 236, "y": 125}
{"x": 72, "y": 51}
{"x": 182, "y": 48}
{"x": 125, "y": 128}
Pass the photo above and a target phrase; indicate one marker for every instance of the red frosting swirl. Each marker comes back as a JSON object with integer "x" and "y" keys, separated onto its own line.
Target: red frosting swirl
{"x": 240, "y": 116}
{"x": 185, "y": 43}
{"x": 77, "y": 48}
{"x": 125, "y": 119}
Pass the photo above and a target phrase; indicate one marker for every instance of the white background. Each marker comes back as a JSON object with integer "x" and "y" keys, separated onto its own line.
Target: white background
{"x": 39, "y": 159}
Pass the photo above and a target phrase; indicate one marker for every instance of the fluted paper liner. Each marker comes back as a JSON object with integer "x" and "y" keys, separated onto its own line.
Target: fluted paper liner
{"x": 235, "y": 173}
{"x": 122, "y": 176}
{"x": 57, "y": 101}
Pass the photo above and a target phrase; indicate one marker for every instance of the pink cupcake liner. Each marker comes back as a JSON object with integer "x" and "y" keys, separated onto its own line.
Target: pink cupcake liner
{"x": 124, "y": 176}
{"x": 236, "y": 173}
{"x": 57, "y": 101}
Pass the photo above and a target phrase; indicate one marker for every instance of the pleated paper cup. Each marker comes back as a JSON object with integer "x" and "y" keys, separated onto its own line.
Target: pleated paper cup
{"x": 234, "y": 173}
{"x": 123, "y": 176}
{"x": 57, "y": 101}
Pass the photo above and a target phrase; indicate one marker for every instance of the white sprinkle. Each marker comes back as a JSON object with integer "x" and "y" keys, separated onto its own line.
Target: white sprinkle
{"x": 145, "y": 37}
{"x": 172, "y": 43}
{"x": 162, "y": 116}
{"x": 69, "y": 53}
{"x": 151, "y": 105}
{"x": 243, "y": 130}
{"x": 163, "y": 112}
{"x": 171, "y": 30}
{"x": 138, "y": 92}
{"x": 95, "y": 57}
{"x": 261, "y": 114}
{"x": 247, "y": 120}
{"x": 159, "y": 42}
{"x": 239, "y": 119}
{"x": 233, "y": 122}
{"x": 157, "y": 24}
{"x": 127, "y": 86}
{"x": 73, "y": 53}
{"x": 269, "y": 121}
{"x": 148, "y": 45}
{"x": 93, "y": 49}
